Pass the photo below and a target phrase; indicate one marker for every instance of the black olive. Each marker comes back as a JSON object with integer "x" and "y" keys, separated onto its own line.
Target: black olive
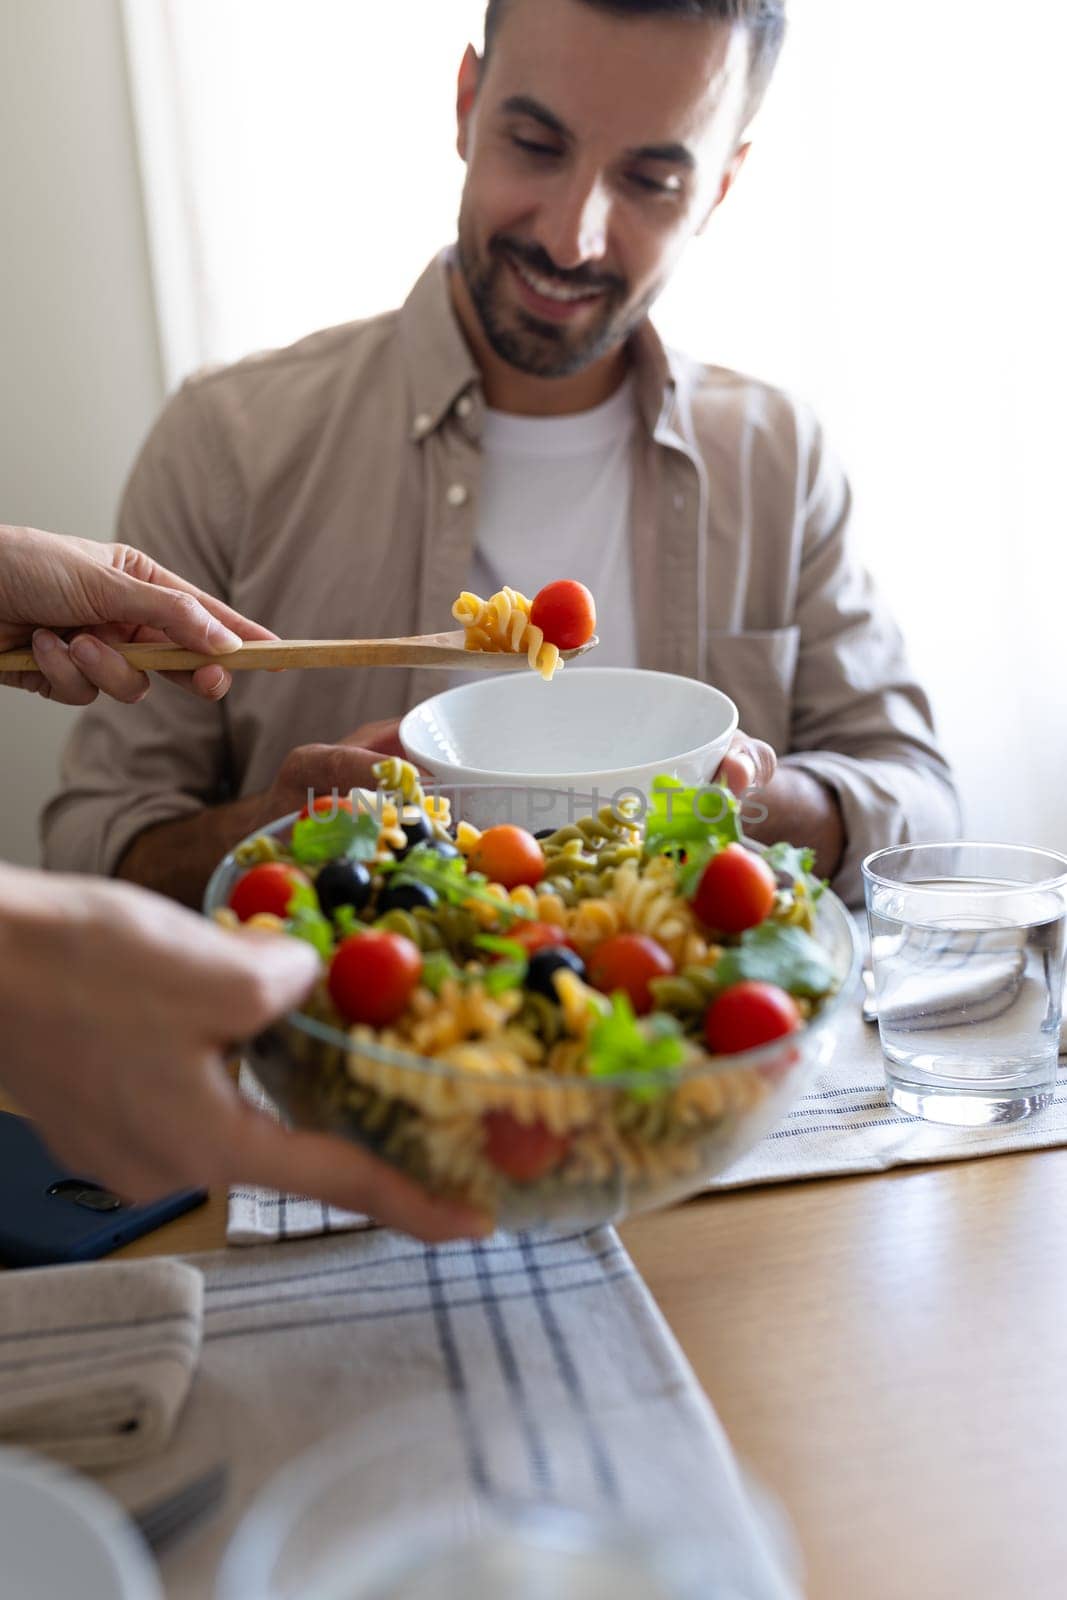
{"x": 545, "y": 963}
{"x": 545, "y": 833}
{"x": 343, "y": 883}
{"x": 416, "y": 829}
{"x": 406, "y": 897}
{"x": 445, "y": 849}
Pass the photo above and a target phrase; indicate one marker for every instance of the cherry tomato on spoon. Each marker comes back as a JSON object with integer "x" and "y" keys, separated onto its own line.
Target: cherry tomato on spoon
{"x": 565, "y": 612}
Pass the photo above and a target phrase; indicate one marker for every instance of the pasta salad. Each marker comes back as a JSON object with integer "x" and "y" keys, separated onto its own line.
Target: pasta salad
{"x": 502, "y": 1011}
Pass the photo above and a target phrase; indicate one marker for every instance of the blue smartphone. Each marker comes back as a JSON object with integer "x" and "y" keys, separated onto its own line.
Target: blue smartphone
{"x": 49, "y": 1215}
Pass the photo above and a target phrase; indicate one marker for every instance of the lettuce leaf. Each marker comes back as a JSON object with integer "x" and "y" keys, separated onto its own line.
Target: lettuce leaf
{"x": 346, "y": 921}
{"x": 438, "y": 966}
{"x": 304, "y": 920}
{"x": 510, "y": 973}
{"x": 777, "y": 953}
{"x": 696, "y": 823}
{"x": 317, "y": 838}
{"x": 798, "y": 865}
{"x": 620, "y": 1046}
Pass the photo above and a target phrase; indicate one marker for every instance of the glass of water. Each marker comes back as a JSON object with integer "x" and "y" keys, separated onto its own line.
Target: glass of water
{"x": 968, "y": 950}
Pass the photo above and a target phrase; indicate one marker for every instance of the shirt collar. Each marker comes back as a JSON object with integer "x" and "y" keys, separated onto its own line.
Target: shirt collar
{"x": 441, "y": 367}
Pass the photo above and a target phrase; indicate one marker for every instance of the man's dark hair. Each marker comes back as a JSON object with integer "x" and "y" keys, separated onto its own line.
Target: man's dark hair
{"x": 763, "y": 19}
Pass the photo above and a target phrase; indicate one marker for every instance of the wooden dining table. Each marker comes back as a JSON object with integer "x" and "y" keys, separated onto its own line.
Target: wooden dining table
{"x": 887, "y": 1355}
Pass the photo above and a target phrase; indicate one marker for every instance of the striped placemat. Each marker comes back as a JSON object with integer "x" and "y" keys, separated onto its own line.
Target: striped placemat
{"x": 845, "y": 1124}
{"x": 522, "y": 1369}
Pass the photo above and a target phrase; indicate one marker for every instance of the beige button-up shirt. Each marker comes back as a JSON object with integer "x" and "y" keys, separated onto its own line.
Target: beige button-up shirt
{"x": 330, "y": 490}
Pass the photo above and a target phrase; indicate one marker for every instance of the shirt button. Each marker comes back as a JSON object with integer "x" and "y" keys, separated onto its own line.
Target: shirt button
{"x": 464, "y": 406}
{"x": 457, "y": 496}
{"x": 423, "y": 424}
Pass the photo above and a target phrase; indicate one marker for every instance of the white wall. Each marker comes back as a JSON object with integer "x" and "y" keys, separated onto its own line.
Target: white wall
{"x": 80, "y": 375}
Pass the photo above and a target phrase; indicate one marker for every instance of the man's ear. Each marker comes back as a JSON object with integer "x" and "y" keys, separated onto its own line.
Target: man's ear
{"x": 729, "y": 177}
{"x": 470, "y": 72}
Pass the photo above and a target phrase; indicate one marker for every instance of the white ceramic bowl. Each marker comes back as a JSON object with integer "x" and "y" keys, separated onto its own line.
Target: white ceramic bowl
{"x": 592, "y": 729}
{"x": 63, "y": 1538}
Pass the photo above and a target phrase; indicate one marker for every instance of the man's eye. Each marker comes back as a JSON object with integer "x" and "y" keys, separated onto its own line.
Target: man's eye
{"x": 533, "y": 148}
{"x": 664, "y": 186}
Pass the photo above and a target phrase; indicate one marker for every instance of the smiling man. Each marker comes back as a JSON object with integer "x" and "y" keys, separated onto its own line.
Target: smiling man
{"x": 519, "y": 420}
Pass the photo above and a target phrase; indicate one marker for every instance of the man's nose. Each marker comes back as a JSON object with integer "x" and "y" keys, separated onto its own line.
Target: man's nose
{"x": 574, "y": 227}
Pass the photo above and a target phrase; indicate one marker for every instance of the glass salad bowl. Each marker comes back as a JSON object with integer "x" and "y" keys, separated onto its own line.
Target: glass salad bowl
{"x": 537, "y": 1101}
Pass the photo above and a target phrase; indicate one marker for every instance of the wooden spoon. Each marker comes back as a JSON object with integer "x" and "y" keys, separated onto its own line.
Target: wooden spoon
{"x": 444, "y": 650}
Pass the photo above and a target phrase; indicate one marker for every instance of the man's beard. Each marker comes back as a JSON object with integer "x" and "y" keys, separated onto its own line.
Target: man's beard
{"x": 544, "y": 349}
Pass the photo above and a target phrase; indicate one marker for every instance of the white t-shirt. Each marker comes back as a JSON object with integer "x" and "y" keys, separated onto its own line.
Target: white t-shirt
{"x": 556, "y": 503}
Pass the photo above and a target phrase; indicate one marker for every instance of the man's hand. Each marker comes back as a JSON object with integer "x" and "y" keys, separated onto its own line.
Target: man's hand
{"x": 313, "y": 769}
{"x": 176, "y": 859}
{"x": 383, "y": 737}
{"x": 748, "y": 764}
{"x": 119, "y": 1010}
{"x": 783, "y": 802}
{"x": 108, "y": 594}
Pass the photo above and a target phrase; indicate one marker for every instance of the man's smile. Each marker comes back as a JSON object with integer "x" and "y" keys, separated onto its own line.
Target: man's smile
{"x": 551, "y": 297}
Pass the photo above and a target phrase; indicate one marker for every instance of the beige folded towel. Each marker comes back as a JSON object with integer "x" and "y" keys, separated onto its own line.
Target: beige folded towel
{"x": 96, "y": 1360}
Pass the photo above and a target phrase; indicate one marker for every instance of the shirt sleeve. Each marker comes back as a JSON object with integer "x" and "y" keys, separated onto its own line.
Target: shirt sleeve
{"x": 861, "y": 724}
{"x": 127, "y": 768}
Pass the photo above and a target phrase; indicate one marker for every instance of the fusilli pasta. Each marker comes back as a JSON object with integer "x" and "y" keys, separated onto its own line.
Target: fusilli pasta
{"x": 502, "y": 623}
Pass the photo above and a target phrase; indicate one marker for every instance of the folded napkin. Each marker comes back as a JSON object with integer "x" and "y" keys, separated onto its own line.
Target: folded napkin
{"x": 96, "y": 1360}
{"x": 985, "y": 990}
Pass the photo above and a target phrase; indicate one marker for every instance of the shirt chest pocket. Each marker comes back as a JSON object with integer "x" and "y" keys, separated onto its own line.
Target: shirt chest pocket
{"x": 757, "y": 671}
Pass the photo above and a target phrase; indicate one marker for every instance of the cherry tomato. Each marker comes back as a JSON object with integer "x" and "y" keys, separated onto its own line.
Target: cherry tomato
{"x": 327, "y": 806}
{"x": 522, "y": 1151}
{"x": 628, "y": 962}
{"x": 736, "y": 891}
{"x": 268, "y": 887}
{"x": 372, "y": 977}
{"x": 509, "y": 856}
{"x": 566, "y": 613}
{"x": 534, "y": 936}
{"x": 747, "y": 1015}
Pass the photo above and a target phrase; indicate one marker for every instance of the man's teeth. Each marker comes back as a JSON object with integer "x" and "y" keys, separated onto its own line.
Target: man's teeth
{"x": 551, "y": 290}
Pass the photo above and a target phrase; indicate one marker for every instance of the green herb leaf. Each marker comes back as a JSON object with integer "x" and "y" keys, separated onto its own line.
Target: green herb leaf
{"x": 776, "y": 953}
{"x": 437, "y": 967}
{"x": 798, "y": 865}
{"x": 318, "y": 838}
{"x": 620, "y": 1046}
{"x": 304, "y": 920}
{"x": 364, "y": 846}
{"x": 691, "y": 871}
{"x": 314, "y": 929}
{"x": 346, "y": 921}
{"x": 503, "y": 976}
{"x": 302, "y": 898}
{"x": 500, "y": 947}
{"x": 684, "y": 819}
